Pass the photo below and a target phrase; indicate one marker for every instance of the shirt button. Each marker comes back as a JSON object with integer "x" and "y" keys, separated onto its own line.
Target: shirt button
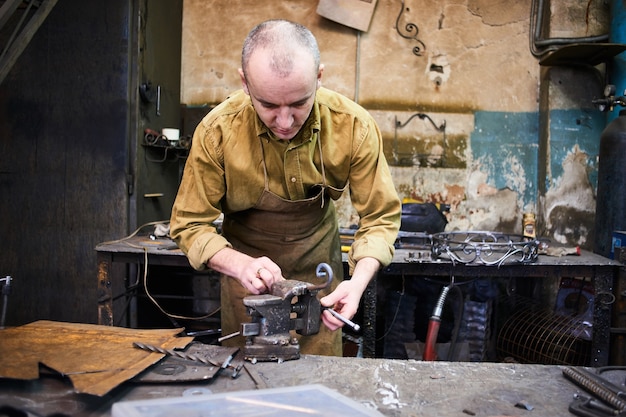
{"x": 293, "y": 179}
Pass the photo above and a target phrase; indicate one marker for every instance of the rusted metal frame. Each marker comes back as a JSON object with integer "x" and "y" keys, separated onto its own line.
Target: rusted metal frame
{"x": 15, "y": 49}
{"x": 618, "y": 319}
{"x": 603, "y": 284}
{"x": 7, "y": 9}
{"x": 132, "y": 256}
{"x": 105, "y": 293}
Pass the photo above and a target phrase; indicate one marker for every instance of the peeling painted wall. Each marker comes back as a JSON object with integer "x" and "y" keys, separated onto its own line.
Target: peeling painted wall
{"x": 497, "y": 135}
{"x": 570, "y": 203}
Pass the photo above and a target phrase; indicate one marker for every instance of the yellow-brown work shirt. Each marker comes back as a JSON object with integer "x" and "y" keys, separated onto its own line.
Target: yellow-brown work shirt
{"x": 224, "y": 173}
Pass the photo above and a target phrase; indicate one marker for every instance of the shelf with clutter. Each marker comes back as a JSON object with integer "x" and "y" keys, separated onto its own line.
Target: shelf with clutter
{"x": 166, "y": 147}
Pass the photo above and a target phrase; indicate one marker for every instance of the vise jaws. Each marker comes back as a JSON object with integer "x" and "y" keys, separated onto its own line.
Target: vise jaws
{"x": 290, "y": 305}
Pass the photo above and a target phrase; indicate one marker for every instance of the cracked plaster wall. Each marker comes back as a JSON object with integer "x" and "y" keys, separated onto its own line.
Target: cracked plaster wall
{"x": 476, "y": 74}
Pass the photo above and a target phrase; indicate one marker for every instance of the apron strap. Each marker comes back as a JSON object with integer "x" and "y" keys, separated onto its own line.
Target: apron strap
{"x": 267, "y": 185}
{"x": 319, "y": 146}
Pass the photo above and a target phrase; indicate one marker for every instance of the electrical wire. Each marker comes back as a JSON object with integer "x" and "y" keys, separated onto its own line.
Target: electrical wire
{"x": 395, "y": 314}
{"x": 454, "y": 339}
{"x": 156, "y": 303}
{"x": 460, "y": 311}
{"x": 133, "y": 234}
{"x": 430, "y": 351}
{"x": 125, "y": 240}
{"x": 551, "y": 44}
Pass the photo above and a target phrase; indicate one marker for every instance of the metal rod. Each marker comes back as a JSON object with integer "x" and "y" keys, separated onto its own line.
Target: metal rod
{"x": 6, "y": 289}
{"x": 594, "y": 387}
{"x": 174, "y": 353}
{"x": 187, "y": 356}
{"x": 345, "y": 320}
{"x": 228, "y": 336}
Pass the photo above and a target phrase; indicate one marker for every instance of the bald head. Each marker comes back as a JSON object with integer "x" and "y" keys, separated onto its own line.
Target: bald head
{"x": 282, "y": 40}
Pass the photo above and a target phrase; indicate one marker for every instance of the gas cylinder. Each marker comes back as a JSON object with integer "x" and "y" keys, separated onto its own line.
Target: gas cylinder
{"x": 611, "y": 194}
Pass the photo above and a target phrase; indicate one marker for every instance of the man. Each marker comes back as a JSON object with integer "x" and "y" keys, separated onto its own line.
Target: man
{"x": 271, "y": 158}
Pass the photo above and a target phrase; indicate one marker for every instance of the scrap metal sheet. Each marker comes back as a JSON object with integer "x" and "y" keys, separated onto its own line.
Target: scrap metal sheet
{"x": 95, "y": 358}
{"x": 173, "y": 369}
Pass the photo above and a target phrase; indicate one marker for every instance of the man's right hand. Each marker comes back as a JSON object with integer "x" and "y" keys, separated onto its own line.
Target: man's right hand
{"x": 257, "y": 275}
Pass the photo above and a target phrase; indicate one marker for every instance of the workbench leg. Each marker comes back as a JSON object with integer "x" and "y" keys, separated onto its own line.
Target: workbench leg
{"x": 369, "y": 320}
{"x": 105, "y": 293}
{"x": 132, "y": 311}
{"x": 618, "y": 319}
{"x": 603, "y": 303}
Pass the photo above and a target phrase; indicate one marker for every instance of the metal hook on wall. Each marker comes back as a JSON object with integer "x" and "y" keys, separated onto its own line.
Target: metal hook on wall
{"x": 399, "y": 125}
{"x": 409, "y": 28}
{"x": 422, "y": 116}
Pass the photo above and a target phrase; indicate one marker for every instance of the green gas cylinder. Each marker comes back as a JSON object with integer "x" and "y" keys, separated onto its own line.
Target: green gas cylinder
{"x": 611, "y": 194}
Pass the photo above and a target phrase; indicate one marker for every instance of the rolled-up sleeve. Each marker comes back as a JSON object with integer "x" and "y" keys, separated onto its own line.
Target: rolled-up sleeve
{"x": 197, "y": 204}
{"x": 373, "y": 196}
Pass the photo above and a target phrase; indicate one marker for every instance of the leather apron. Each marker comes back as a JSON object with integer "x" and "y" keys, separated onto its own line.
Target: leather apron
{"x": 297, "y": 235}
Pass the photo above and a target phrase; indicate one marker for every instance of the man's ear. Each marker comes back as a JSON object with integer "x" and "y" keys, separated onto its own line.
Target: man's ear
{"x": 319, "y": 75}
{"x": 244, "y": 84}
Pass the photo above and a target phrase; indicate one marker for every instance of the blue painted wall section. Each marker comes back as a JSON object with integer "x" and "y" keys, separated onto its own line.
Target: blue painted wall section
{"x": 581, "y": 127}
{"x": 504, "y": 146}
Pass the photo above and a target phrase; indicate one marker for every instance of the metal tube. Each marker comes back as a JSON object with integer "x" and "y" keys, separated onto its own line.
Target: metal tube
{"x": 3, "y": 316}
{"x": 592, "y": 386}
{"x": 6, "y": 289}
{"x": 345, "y": 320}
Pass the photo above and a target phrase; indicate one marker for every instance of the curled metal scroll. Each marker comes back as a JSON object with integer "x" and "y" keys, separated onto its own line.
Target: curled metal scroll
{"x": 486, "y": 248}
{"x": 410, "y": 28}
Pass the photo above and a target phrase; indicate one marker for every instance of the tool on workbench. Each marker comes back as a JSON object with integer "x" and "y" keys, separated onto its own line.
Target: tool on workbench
{"x": 291, "y": 305}
{"x": 589, "y": 407}
{"x": 345, "y": 320}
{"x": 612, "y": 395}
{"x": 430, "y": 351}
{"x": 195, "y": 358}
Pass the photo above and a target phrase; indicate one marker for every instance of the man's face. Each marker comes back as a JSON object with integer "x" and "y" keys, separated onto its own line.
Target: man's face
{"x": 282, "y": 103}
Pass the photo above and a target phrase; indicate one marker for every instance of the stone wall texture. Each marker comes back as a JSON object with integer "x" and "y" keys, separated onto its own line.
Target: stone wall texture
{"x": 465, "y": 66}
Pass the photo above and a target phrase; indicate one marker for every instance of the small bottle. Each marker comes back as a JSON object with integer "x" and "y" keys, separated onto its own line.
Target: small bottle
{"x": 528, "y": 225}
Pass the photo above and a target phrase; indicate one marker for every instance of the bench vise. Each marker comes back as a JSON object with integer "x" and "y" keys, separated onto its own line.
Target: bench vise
{"x": 290, "y": 305}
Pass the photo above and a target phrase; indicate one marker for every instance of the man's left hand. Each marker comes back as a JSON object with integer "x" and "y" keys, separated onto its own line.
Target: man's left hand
{"x": 347, "y": 296}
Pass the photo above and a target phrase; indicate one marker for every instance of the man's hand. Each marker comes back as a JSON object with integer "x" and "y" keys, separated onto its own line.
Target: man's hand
{"x": 344, "y": 300}
{"x": 256, "y": 274}
{"x": 347, "y": 296}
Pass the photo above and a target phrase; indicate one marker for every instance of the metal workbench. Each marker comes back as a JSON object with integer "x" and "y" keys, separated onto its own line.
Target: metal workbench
{"x": 600, "y": 270}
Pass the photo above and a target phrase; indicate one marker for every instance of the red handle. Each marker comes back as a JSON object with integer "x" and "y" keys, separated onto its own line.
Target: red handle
{"x": 430, "y": 353}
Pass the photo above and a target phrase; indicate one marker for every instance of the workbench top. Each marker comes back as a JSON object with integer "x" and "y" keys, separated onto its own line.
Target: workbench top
{"x": 165, "y": 246}
{"x": 393, "y": 387}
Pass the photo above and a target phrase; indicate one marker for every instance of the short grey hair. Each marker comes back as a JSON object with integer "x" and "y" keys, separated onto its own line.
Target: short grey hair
{"x": 281, "y": 37}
